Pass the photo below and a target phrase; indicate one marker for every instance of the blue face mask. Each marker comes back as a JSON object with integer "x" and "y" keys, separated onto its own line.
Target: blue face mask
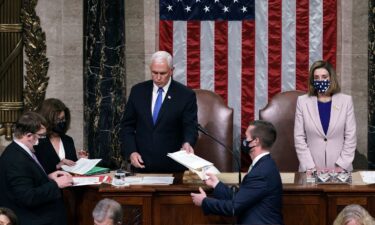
{"x": 321, "y": 86}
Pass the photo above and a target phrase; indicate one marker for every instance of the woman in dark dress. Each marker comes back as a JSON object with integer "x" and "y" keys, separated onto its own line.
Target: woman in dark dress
{"x": 58, "y": 148}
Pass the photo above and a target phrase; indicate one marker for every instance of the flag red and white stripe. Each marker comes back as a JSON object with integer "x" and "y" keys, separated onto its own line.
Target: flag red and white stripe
{"x": 248, "y": 61}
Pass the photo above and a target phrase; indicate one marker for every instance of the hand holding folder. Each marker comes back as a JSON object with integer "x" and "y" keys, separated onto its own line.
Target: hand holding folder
{"x": 194, "y": 163}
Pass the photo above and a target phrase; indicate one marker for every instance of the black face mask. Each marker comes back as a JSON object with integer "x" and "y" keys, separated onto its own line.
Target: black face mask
{"x": 59, "y": 128}
{"x": 245, "y": 146}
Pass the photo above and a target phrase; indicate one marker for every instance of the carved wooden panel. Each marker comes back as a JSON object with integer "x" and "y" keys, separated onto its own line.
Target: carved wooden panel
{"x": 304, "y": 209}
{"x": 11, "y": 63}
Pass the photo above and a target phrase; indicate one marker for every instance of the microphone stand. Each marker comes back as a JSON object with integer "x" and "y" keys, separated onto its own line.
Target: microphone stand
{"x": 228, "y": 149}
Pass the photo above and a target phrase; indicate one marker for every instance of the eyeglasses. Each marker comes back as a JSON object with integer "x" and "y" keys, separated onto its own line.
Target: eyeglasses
{"x": 41, "y": 136}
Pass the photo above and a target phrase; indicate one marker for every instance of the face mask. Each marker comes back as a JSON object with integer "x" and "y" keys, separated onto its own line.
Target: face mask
{"x": 245, "y": 146}
{"x": 321, "y": 86}
{"x": 37, "y": 142}
{"x": 59, "y": 128}
{"x": 39, "y": 139}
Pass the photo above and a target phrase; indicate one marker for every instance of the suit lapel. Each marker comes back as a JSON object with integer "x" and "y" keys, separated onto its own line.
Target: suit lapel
{"x": 148, "y": 97}
{"x": 335, "y": 113}
{"x": 23, "y": 151}
{"x": 314, "y": 114}
{"x": 167, "y": 102}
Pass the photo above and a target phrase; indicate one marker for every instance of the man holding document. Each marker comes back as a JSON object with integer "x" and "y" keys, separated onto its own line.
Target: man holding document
{"x": 259, "y": 198}
{"x": 160, "y": 117}
{"x": 25, "y": 187}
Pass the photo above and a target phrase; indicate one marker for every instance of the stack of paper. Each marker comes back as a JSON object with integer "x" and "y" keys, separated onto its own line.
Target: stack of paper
{"x": 194, "y": 163}
{"x": 82, "y": 166}
{"x": 146, "y": 180}
{"x": 80, "y": 181}
{"x": 368, "y": 177}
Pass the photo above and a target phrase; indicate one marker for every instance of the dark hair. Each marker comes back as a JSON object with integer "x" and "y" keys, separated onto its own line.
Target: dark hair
{"x": 10, "y": 214}
{"x": 29, "y": 122}
{"x": 334, "y": 86}
{"x": 50, "y": 109}
{"x": 265, "y": 131}
{"x": 108, "y": 208}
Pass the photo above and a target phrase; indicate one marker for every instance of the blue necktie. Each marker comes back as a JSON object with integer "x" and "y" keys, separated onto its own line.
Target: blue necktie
{"x": 158, "y": 102}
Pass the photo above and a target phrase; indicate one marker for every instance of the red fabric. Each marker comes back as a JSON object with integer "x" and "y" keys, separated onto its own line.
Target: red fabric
{"x": 274, "y": 47}
{"x": 166, "y": 36}
{"x": 221, "y": 59}
{"x": 302, "y": 44}
{"x": 193, "y": 54}
{"x": 330, "y": 31}
{"x": 247, "y": 80}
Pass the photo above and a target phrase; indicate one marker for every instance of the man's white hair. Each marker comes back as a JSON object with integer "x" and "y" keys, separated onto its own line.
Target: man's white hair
{"x": 159, "y": 56}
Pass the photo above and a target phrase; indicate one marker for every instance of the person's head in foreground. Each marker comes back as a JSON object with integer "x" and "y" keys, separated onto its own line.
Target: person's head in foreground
{"x": 107, "y": 212}
{"x": 354, "y": 215}
{"x": 7, "y": 217}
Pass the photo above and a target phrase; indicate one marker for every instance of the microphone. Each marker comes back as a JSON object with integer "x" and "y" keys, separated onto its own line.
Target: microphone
{"x": 228, "y": 149}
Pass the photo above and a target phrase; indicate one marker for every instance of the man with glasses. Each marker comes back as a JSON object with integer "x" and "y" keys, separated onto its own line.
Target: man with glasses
{"x": 32, "y": 194}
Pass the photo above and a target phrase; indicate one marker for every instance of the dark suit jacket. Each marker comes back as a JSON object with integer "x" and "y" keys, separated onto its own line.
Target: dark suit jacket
{"x": 258, "y": 200}
{"x": 26, "y": 189}
{"x": 47, "y": 155}
{"x": 176, "y": 124}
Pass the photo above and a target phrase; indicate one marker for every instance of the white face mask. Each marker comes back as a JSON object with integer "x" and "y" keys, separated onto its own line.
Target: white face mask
{"x": 37, "y": 142}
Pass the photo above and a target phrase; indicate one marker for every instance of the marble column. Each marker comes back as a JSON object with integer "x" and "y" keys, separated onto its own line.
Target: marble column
{"x": 104, "y": 78}
{"x": 371, "y": 86}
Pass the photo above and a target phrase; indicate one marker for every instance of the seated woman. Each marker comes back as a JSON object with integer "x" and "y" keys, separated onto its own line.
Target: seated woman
{"x": 354, "y": 215}
{"x": 7, "y": 217}
{"x": 58, "y": 148}
{"x": 325, "y": 126}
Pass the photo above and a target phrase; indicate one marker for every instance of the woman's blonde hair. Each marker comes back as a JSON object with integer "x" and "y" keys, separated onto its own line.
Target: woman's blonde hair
{"x": 356, "y": 213}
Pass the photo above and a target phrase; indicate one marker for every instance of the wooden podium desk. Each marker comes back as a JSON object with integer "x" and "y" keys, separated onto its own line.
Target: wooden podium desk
{"x": 303, "y": 204}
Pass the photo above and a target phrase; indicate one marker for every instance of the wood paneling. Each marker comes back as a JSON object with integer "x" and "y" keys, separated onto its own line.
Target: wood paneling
{"x": 303, "y": 204}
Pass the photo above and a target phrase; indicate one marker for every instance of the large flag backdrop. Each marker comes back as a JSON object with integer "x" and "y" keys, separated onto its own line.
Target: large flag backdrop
{"x": 247, "y": 50}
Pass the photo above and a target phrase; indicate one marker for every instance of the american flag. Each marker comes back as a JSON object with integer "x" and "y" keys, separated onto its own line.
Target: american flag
{"x": 247, "y": 50}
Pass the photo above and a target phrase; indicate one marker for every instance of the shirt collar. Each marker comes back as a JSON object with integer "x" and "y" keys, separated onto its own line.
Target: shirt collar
{"x": 258, "y": 158}
{"x": 165, "y": 88}
{"x": 22, "y": 145}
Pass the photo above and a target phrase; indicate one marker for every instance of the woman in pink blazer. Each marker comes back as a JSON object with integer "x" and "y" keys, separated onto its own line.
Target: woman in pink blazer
{"x": 325, "y": 127}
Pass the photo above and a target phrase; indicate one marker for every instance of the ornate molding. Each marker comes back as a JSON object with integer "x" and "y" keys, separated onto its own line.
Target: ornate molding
{"x": 37, "y": 64}
{"x": 6, "y": 106}
{"x": 10, "y": 27}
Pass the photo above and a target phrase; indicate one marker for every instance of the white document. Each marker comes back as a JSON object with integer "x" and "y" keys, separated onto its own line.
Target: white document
{"x": 79, "y": 181}
{"x": 152, "y": 180}
{"x": 368, "y": 177}
{"x": 82, "y": 166}
{"x": 194, "y": 163}
{"x": 157, "y": 180}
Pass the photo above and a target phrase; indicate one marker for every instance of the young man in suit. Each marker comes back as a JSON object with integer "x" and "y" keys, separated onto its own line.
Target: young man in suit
{"x": 160, "y": 117}
{"x": 33, "y": 195}
{"x": 259, "y": 198}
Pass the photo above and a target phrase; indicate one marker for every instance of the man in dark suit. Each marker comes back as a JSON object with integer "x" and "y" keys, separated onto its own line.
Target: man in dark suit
{"x": 25, "y": 188}
{"x": 259, "y": 198}
{"x": 160, "y": 117}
